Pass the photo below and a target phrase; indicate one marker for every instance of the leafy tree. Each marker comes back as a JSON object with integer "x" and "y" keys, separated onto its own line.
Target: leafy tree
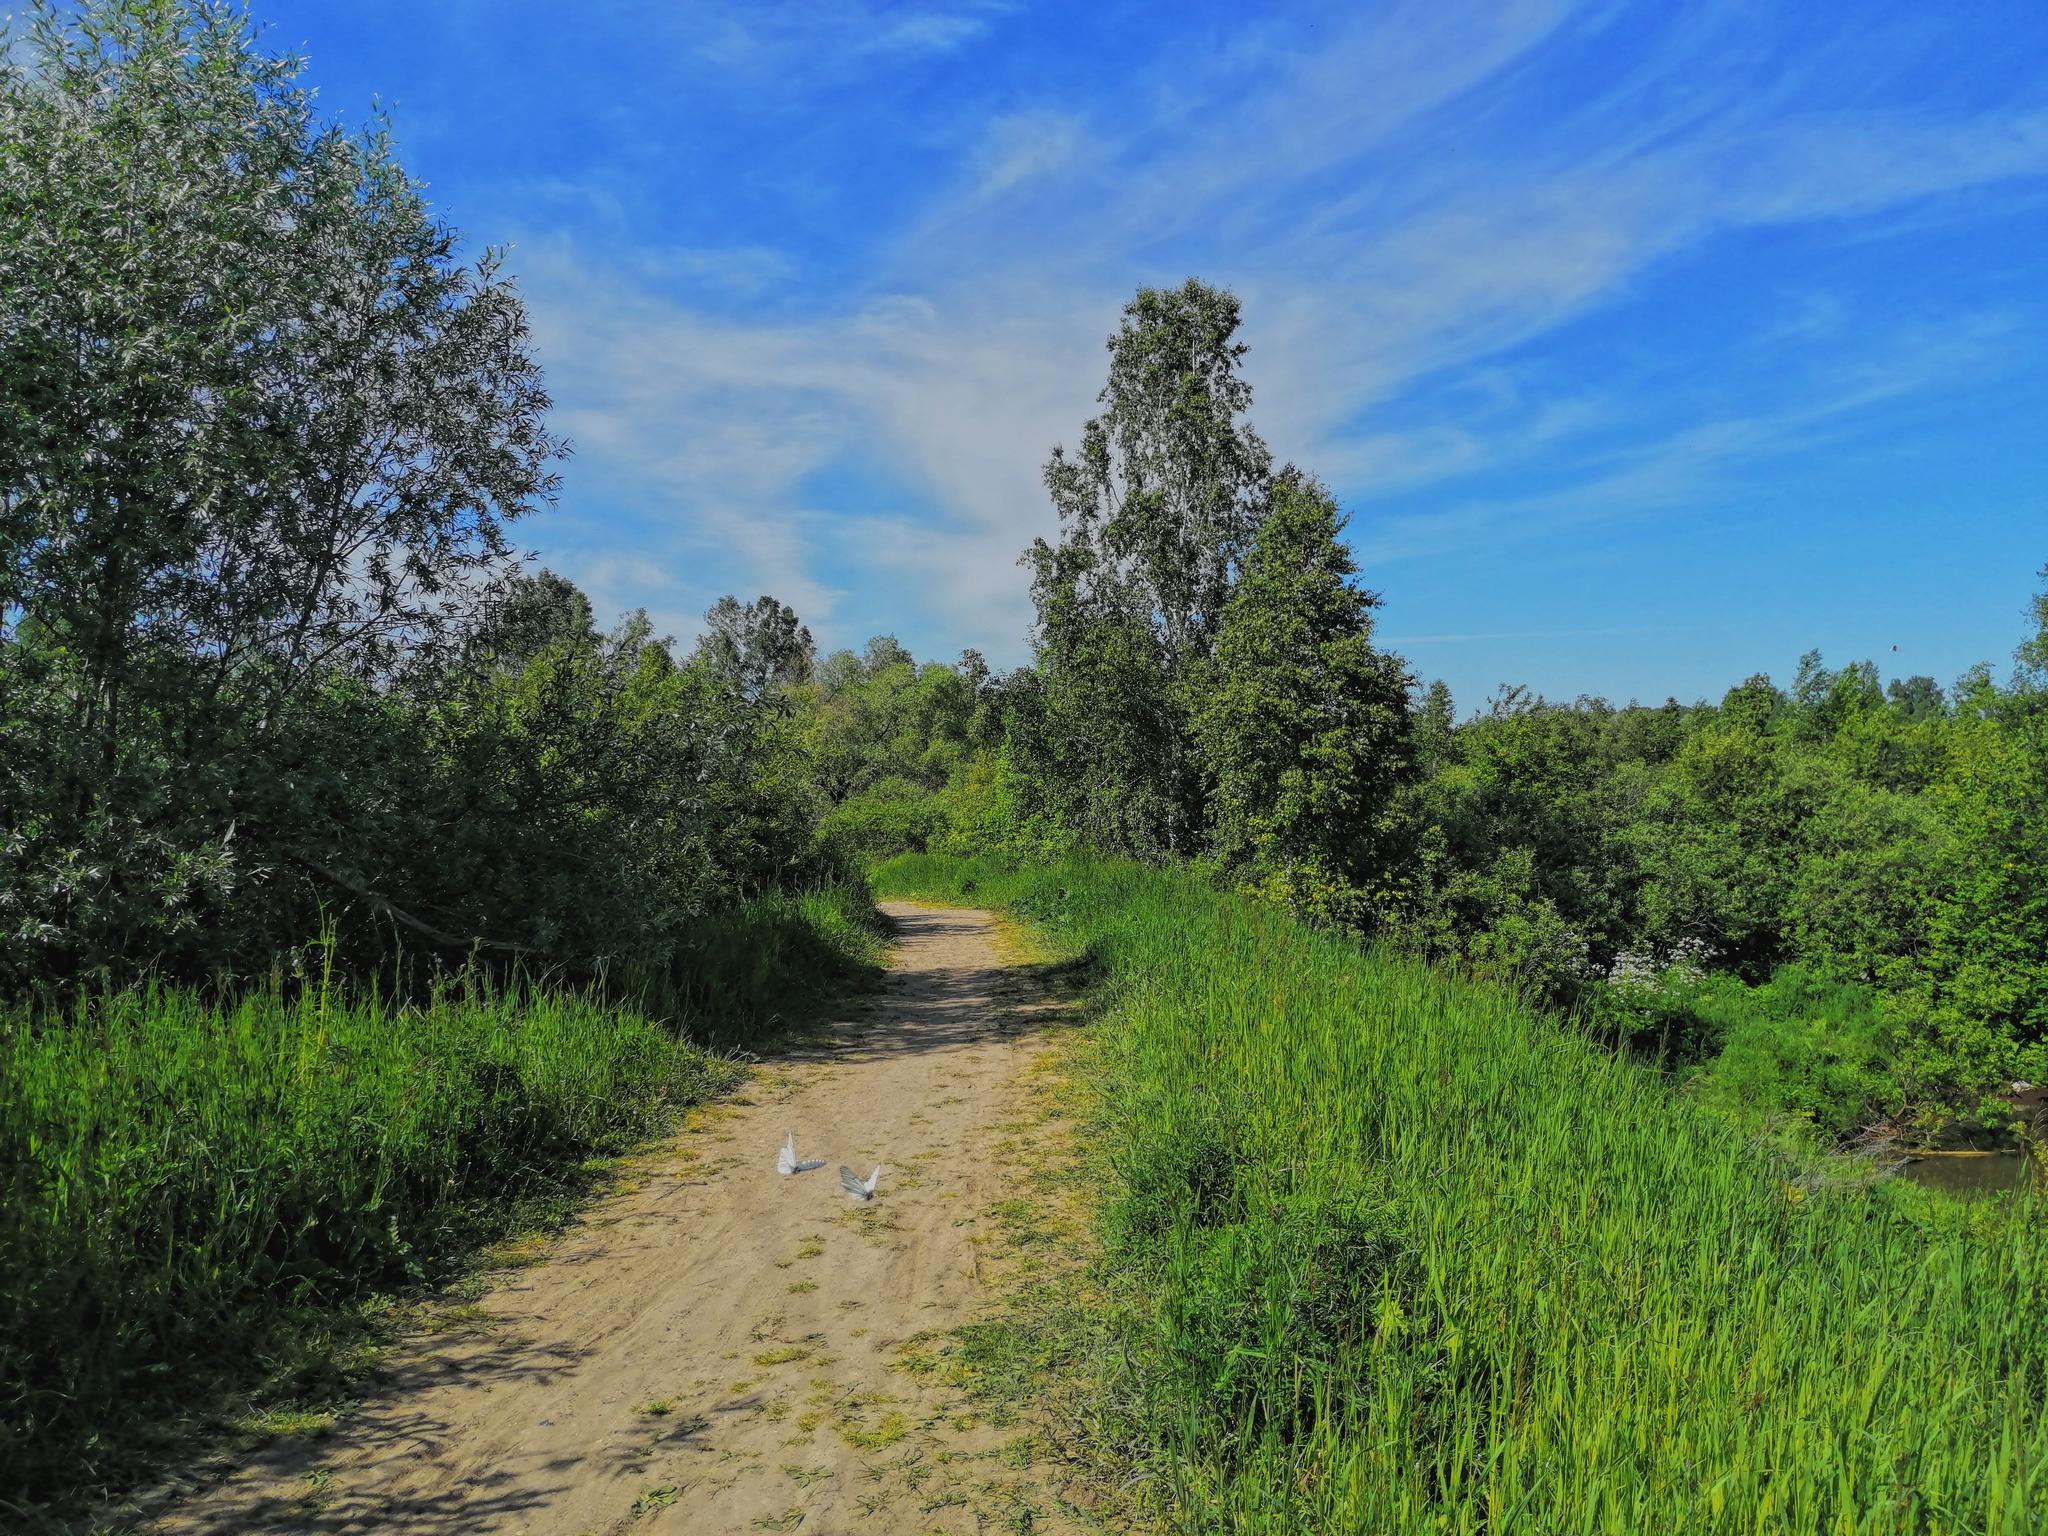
{"x": 1754, "y": 705}
{"x": 1797, "y": 831}
{"x": 881, "y": 723}
{"x": 1158, "y": 507}
{"x": 2031, "y": 659}
{"x": 1097, "y": 731}
{"x": 1982, "y": 985}
{"x": 257, "y": 417}
{"x": 892, "y": 744}
{"x": 1518, "y": 864}
{"x": 1867, "y": 867}
{"x": 532, "y": 614}
{"x": 1717, "y": 837}
{"x": 1823, "y": 701}
{"x": 1916, "y": 698}
{"x": 586, "y": 801}
{"x": 1168, "y": 481}
{"x": 258, "y": 428}
{"x": 1435, "y": 729}
{"x": 1303, "y": 726}
{"x": 756, "y": 646}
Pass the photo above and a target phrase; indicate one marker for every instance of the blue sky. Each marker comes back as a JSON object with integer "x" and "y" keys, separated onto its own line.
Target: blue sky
{"x": 1648, "y": 345}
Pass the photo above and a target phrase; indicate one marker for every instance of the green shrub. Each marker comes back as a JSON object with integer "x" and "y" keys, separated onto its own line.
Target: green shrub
{"x": 1798, "y": 1046}
{"x": 883, "y": 824}
{"x": 747, "y": 973}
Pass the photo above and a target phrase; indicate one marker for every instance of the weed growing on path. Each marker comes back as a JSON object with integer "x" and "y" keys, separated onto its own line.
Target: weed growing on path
{"x": 652, "y": 1499}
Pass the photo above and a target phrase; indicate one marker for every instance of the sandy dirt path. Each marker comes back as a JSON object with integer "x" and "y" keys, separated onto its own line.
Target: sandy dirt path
{"x": 718, "y": 1348}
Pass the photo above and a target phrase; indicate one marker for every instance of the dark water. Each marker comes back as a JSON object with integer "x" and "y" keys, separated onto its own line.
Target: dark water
{"x": 1967, "y": 1177}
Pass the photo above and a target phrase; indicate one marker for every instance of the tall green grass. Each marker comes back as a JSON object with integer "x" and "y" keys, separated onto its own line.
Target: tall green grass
{"x": 1413, "y": 1258}
{"x": 1798, "y": 1046}
{"x": 185, "y": 1182}
{"x": 755, "y": 970}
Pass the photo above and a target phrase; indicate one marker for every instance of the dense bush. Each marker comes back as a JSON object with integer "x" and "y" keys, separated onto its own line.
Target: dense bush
{"x": 267, "y": 662}
{"x": 881, "y": 824}
{"x": 1888, "y": 844}
{"x": 1816, "y": 1051}
{"x": 882, "y": 725}
{"x": 741, "y": 974}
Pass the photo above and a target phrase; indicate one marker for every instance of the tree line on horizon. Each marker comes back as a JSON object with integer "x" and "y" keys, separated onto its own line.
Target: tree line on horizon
{"x": 1827, "y": 901}
{"x": 274, "y": 682}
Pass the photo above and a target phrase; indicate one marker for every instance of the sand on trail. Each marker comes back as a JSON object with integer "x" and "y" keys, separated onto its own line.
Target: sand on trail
{"x": 718, "y": 1348}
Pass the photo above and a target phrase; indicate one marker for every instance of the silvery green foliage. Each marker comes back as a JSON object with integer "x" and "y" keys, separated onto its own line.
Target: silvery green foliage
{"x": 1166, "y": 489}
{"x": 259, "y": 430}
{"x": 756, "y": 646}
{"x": 255, "y": 410}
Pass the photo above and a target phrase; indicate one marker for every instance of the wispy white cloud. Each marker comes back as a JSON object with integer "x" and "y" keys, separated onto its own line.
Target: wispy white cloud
{"x": 712, "y": 431}
{"x": 1023, "y": 147}
{"x": 827, "y": 36}
{"x": 1386, "y": 194}
{"x": 1651, "y": 473}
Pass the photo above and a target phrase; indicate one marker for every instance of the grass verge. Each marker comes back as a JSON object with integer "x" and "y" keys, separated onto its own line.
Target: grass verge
{"x": 746, "y": 976}
{"x": 200, "y": 1197}
{"x": 1400, "y": 1255}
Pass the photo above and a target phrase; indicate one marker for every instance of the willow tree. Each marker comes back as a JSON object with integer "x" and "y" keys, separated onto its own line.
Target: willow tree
{"x": 259, "y": 426}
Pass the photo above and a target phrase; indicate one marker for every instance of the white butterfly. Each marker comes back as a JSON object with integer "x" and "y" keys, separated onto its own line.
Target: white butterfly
{"x": 785, "y": 1160}
{"x": 860, "y": 1189}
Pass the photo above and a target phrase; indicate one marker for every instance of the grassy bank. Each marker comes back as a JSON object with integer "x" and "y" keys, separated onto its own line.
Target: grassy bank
{"x": 190, "y": 1187}
{"x": 744, "y": 975}
{"x": 1409, "y": 1257}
